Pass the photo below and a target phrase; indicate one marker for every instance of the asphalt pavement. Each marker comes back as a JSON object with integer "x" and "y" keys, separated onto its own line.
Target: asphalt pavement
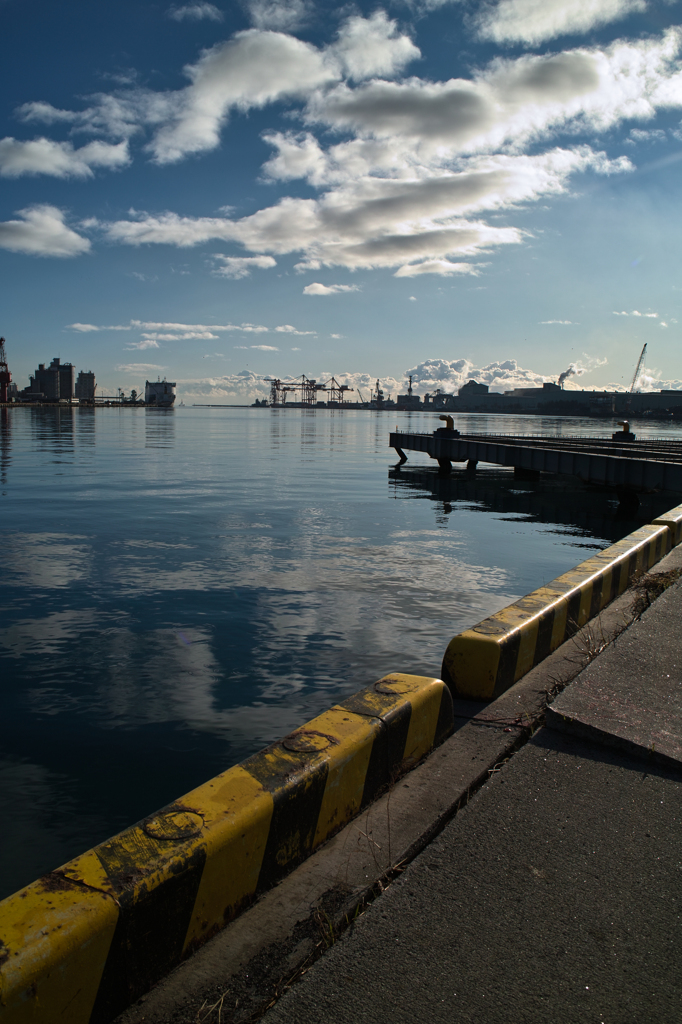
{"x": 554, "y": 895}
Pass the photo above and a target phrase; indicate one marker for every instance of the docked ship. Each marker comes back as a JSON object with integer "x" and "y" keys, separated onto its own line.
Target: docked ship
{"x": 160, "y": 393}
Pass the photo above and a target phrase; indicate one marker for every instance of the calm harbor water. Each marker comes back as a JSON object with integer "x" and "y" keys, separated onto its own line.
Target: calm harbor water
{"x": 181, "y": 587}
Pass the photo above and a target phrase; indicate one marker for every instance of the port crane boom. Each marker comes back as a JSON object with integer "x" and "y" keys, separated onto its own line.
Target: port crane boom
{"x": 638, "y": 370}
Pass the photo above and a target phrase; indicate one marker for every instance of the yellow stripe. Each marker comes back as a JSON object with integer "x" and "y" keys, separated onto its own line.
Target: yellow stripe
{"x": 426, "y": 703}
{"x": 347, "y": 768}
{"x": 237, "y": 813}
{"x": 57, "y": 936}
{"x": 585, "y": 602}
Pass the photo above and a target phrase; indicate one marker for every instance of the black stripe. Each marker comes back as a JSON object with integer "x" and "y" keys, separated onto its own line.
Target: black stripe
{"x": 297, "y": 794}
{"x": 543, "y": 644}
{"x": 506, "y": 668}
{"x": 613, "y": 586}
{"x": 623, "y": 577}
{"x": 152, "y": 923}
{"x": 572, "y": 613}
{"x": 632, "y": 565}
{"x": 595, "y": 602}
{"x": 388, "y": 751}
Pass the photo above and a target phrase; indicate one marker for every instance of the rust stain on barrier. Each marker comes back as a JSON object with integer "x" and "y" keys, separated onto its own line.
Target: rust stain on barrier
{"x": 57, "y": 881}
{"x": 308, "y": 741}
{"x": 175, "y": 825}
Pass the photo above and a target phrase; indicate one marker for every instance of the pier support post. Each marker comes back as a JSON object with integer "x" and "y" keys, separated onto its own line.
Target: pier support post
{"x": 445, "y": 465}
{"x": 471, "y": 467}
{"x": 401, "y": 454}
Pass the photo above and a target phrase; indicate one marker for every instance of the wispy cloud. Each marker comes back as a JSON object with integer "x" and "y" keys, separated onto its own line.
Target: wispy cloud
{"x": 145, "y": 343}
{"x": 261, "y": 348}
{"x": 534, "y": 21}
{"x": 138, "y": 367}
{"x": 198, "y": 11}
{"x": 329, "y": 289}
{"x": 570, "y": 322}
{"x": 59, "y": 159}
{"x": 443, "y": 267}
{"x": 288, "y": 329}
{"x": 635, "y": 312}
{"x": 237, "y": 267}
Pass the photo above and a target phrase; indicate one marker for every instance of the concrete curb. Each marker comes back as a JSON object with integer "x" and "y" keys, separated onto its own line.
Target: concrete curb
{"x": 84, "y": 942}
{"x": 484, "y": 661}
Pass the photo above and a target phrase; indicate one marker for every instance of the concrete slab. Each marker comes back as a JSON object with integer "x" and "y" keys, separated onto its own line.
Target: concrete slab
{"x": 631, "y": 695}
{"x": 553, "y": 897}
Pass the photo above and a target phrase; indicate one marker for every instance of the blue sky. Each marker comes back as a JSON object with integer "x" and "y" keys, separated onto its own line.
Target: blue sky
{"x": 218, "y": 192}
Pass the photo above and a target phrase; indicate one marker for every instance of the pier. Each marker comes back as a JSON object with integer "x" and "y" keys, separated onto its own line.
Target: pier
{"x": 651, "y": 464}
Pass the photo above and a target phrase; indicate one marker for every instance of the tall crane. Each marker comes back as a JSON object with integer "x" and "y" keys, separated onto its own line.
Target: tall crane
{"x": 640, "y": 364}
{"x": 638, "y": 370}
{"x": 5, "y": 375}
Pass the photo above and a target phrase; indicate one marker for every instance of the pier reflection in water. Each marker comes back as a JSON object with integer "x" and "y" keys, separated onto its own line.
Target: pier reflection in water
{"x": 181, "y": 587}
{"x": 580, "y": 510}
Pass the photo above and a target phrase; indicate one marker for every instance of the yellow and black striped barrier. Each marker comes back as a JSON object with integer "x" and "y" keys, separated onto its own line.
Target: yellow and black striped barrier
{"x": 85, "y": 941}
{"x": 487, "y": 659}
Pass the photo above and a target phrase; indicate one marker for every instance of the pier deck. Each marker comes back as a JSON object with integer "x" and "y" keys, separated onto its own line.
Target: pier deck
{"x": 650, "y": 464}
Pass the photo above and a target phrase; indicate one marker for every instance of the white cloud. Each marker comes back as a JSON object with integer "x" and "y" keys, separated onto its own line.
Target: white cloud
{"x": 449, "y": 375}
{"x": 635, "y": 312}
{"x": 138, "y": 367}
{"x": 372, "y": 47}
{"x": 59, "y": 159}
{"x": 647, "y": 135}
{"x": 533, "y": 21}
{"x": 328, "y": 289}
{"x": 42, "y": 231}
{"x": 379, "y": 221}
{"x": 265, "y": 348}
{"x": 281, "y": 15}
{"x": 173, "y": 331}
{"x": 182, "y": 336}
{"x": 512, "y": 102}
{"x": 421, "y": 161}
{"x": 442, "y": 267}
{"x": 557, "y": 322}
{"x": 145, "y": 343}
{"x": 197, "y": 11}
{"x": 288, "y": 329}
{"x": 237, "y": 267}
{"x": 86, "y": 328}
{"x": 252, "y": 69}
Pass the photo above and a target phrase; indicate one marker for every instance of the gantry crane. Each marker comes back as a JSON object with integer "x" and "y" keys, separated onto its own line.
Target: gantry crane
{"x": 309, "y": 390}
